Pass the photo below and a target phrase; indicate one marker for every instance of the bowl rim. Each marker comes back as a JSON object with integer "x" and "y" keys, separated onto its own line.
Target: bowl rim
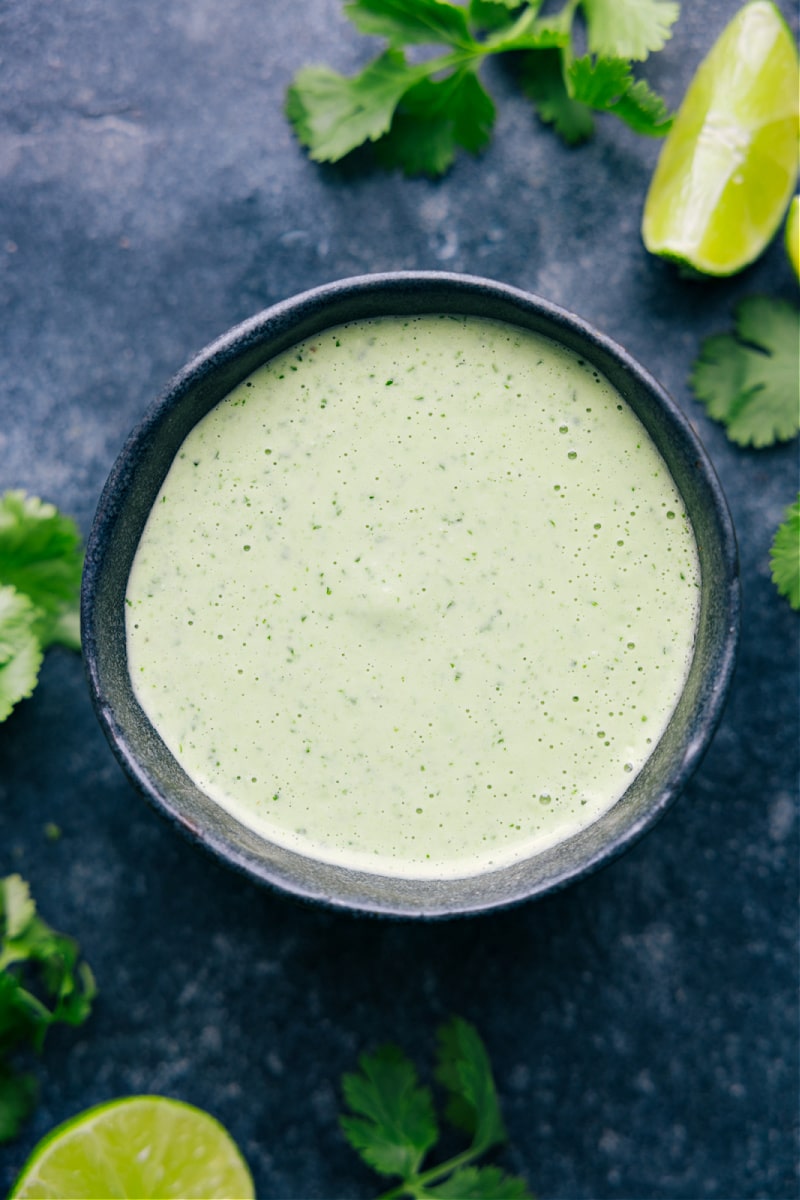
{"x": 279, "y": 326}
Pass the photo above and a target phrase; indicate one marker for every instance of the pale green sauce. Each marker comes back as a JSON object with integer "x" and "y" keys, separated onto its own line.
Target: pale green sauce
{"x": 418, "y": 597}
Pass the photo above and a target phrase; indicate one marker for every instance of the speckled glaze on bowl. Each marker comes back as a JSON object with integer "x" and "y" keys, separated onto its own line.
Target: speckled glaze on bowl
{"x": 134, "y": 483}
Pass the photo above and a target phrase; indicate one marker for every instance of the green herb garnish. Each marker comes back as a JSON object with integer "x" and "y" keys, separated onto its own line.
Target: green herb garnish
{"x": 418, "y": 110}
{"x": 42, "y": 983}
{"x": 785, "y": 555}
{"x": 393, "y": 1123}
{"x": 749, "y": 379}
{"x": 40, "y": 575}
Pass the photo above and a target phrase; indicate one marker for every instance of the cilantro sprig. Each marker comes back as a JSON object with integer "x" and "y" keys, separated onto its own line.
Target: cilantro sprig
{"x": 41, "y": 560}
{"x": 418, "y": 111}
{"x": 43, "y": 982}
{"x": 393, "y": 1122}
{"x": 749, "y": 380}
{"x": 784, "y": 555}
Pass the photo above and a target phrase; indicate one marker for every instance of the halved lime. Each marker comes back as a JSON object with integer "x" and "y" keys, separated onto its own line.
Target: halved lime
{"x": 792, "y": 235}
{"x": 141, "y": 1146}
{"x": 729, "y": 164}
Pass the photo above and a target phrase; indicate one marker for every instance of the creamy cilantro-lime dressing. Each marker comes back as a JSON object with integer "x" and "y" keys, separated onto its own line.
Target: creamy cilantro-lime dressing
{"x": 418, "y": 597}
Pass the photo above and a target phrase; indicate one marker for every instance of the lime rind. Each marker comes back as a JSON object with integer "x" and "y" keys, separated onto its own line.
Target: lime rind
{"x": 728, "y": 167}
{"x": 792, "y": 235}
{"x": 139, "y": 1146}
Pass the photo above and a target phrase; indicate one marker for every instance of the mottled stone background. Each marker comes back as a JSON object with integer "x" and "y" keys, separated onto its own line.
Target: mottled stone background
{"x": 643, "y": 1025}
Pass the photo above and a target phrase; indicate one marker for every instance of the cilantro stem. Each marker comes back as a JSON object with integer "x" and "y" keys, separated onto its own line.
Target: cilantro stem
{"x": 567, "y": 14}
{"x": 565, "y": 21}
{"x": 523, "y": 24}
{"x": 416, "y": 1184}
{"x": 454, "y": 62}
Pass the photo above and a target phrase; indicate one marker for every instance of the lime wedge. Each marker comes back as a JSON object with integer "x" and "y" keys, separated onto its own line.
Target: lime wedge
{"x": 792, "y": 235}
{"x": 729, "y": 164}
{"x": 142, "y": 1146}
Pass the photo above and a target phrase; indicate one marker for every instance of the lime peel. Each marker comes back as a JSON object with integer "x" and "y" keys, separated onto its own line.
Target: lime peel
{"x": 792, "y": 235}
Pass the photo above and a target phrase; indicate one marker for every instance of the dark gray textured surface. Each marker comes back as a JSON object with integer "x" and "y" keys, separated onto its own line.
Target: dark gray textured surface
{"x": 643, "y": 1025}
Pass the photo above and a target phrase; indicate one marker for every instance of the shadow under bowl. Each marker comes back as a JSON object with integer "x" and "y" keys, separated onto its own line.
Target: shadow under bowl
{"x": 134, "y": 484}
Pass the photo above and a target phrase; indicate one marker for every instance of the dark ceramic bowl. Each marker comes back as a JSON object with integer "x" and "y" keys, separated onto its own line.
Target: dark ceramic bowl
{"x": 139, "y": 473}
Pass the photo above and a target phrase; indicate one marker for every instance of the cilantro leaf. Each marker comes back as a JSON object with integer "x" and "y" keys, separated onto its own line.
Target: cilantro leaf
{"x": 41, "y": 556}
{"x": 464, "y": 1069}
{"x": 43, "y": 982}
{"x": 748, "y": 380}
{"x": 433, "y": 119}
{"x": 543, "y": 83}
{"x": 396, "y": 1125}
{"x": 411, "y": 22}
{"x": 332, "y": 115}
{"x": 643, "y": 110}
{"x": 599, "y": 83}
{"x": 481, "y": 1183}
{"x": 393, "y": 1125}
{"x": 20, "y": 649}
{"x": 629, "y": 28}
{"x": 67, "y": 983}
{"x": 16, "y": 906}
{"x": 608, "y": 85}
{"x": 785, "y": 555}
{"x": 420, "y": 112}
{"x": 18, "y": 1093}
{"x": 41, "y": 561}
{"x": 493, "y": 14}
